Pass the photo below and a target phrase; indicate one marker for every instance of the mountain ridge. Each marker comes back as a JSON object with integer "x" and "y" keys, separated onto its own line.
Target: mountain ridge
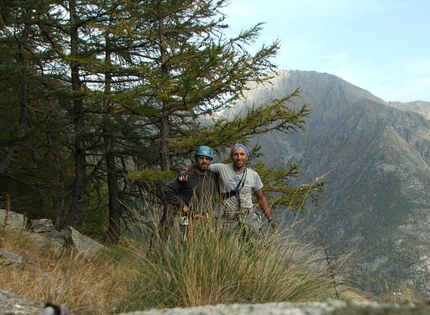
{"x": 376, "y": 158}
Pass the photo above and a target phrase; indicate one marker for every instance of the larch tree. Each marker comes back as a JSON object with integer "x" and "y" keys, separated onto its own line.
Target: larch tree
{"x": 191, "y": 71}
{"x": 137, "y": 86}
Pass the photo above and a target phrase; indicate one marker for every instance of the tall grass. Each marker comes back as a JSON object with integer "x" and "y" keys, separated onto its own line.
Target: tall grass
{"x": 87, "y": 287}
{"x": 211, "y": 267}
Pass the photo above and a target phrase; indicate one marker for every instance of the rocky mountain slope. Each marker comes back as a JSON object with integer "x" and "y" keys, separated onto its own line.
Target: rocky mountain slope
{"x": 375, "y": 156}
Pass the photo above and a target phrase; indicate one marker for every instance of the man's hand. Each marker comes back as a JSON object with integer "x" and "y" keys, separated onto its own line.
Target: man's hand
{"x": 183, "y": 176}
{"x": 185, "y": 210}
{"x": 272, "y": 226}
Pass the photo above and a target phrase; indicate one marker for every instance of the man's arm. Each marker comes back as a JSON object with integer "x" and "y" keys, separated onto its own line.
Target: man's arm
{"x": 171, "y": 193}
{"x": 171, "y": 190}
{"x": 264, "y": 206}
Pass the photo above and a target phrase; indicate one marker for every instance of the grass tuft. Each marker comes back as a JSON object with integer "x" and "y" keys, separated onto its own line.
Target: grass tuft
{"x": 212, "y": 267}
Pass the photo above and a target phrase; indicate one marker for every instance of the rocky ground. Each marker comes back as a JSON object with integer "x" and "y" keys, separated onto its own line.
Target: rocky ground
{"x": 12, "y": 304}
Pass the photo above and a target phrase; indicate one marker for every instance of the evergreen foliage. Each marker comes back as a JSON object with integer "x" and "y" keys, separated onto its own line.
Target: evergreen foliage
{"x": 97, "y": 93}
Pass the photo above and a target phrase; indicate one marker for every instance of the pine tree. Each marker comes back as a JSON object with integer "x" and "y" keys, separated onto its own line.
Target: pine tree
{"x": 31, "y": 138}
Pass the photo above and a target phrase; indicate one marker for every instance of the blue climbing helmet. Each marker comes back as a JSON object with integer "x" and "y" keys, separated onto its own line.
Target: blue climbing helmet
{"x": 204, "y": 151}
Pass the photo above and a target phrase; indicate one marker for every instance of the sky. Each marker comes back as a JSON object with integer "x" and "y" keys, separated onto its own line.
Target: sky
{"x": 382, "y": 46}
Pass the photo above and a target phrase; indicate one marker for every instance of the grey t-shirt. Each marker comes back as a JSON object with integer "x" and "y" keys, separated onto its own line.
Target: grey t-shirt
{"x": 228, "y": 181}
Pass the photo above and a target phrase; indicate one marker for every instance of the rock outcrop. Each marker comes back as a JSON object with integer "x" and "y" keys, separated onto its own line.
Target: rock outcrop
{"x": 42, "y": 231}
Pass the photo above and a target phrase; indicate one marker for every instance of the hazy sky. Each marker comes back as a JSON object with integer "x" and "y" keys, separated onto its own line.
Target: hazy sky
{"x": 382, "y": 46}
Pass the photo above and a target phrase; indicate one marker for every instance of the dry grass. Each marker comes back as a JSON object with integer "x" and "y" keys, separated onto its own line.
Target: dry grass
{"x": 402, "y": 294}
{"x": 213, "y": 268}
{"x": 210, "y": 268}
{"x": 88, "y": 287}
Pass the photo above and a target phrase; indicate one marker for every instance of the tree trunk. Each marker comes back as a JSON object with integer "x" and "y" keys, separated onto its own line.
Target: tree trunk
{"x": 166, "y": 221}
{"x": 74, "y": 217}
{"x": 114, "y": 231}
{"x": 62, "y": 192}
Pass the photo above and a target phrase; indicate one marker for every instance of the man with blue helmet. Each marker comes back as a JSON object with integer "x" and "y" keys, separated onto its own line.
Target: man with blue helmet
{"x": 195, "y": 198}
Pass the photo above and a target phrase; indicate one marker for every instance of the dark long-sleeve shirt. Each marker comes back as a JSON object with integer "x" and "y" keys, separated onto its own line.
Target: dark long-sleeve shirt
{"x": 198, "y": 192}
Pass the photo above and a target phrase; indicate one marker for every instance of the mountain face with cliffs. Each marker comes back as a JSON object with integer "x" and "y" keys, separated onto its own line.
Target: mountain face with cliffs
{"x": 375, "y": 156}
